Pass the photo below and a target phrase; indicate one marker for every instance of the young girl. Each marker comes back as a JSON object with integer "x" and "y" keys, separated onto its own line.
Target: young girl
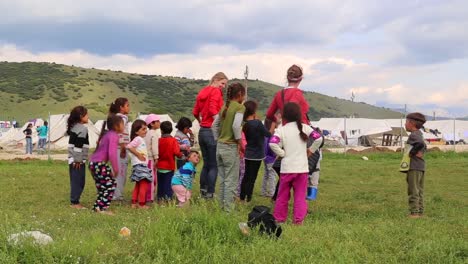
{"x": 141, "y": 174}
{"x": 28, "y": 133}
{"x": 255, "y": 133}
{"x": 182, "y": 135}
{"x": 152, "y": 143}
{"x": 106, "y": 151}
{"x": 290, "y": 143}
{"x": 168, "y": 150}
{"x": 229, "y": 144}
{"x": 121, "y": 107}
{"x": 78, "y": 146}
{"x": 269, "y": 176}
{"x": 241, "y": 164}
{"x": 183, "y": 179}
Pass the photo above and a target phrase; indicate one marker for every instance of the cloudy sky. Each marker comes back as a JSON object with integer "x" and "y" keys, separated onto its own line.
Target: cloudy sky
{"x": 388, "y": 53}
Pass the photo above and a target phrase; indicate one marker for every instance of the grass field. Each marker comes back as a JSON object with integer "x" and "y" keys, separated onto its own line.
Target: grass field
{"x": 359, "y": 217}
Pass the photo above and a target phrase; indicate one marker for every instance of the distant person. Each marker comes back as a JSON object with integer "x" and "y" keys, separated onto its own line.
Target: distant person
{"x": 42, "y": 132}
{"x": 183, "y": 179}
{"x": 291, "y": 93}
{"x": 227, "y": 129}
{"x": 121, "y": 107}
{"x": 28, "y": 133}
{"x": 290, "y": 143}
{"x": 255, "y": 133}
{"x": 106, "y": 152}
{"x": 183, "y": 138}
{"x": 415, "y": 168}
{"x": 78, "y": 147}
{"x": 208, "y": 103}
{"x": 168, "y": 151}
{"x": 141, "y": 174}
{"x": 152, "y": 143}
{"x": 14, "y": 124}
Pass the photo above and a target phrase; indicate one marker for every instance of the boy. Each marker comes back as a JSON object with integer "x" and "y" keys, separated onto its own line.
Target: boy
{"x": 417, "y": 166}
{"x": 183, "y": 179}
{"x": 168, "y": 150}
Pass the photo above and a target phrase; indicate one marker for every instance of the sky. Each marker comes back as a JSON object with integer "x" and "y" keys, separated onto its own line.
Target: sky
{"x": 386, "y": 53}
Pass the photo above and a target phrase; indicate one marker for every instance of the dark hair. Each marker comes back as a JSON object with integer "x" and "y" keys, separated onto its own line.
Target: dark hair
{"x": 233, "y": 91}
{"x": 292, "y": 113}
{"x": 115, "y": 106}
{"x": 294, "y": 74}
{"x": 46, "y": 123}
{"x": 137, "y": 125}
{"x": 29, "y": 125}
{"x": 166, "y": 127}
{"x": 75, "y": 117}
{"x": 111, "y": 122}
{"x": 417, "y": 119}
{"x": 250, "y": 109}
{"x": 183, "y": 122}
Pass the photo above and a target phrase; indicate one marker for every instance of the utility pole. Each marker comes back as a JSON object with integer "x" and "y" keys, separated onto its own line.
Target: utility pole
{"x": 246, "y": 76}
{"x": 352, "y": 96}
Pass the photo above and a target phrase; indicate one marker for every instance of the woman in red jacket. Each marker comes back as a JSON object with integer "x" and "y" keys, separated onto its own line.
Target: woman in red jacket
{"x": 207, "y": 106}
{"x": 291, "y": 93}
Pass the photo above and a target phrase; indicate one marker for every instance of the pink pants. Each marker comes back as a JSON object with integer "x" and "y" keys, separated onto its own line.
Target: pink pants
{"x": 151, "y": 188}
{"x": 298, "y": 182}
{"x": 183, "y": 195}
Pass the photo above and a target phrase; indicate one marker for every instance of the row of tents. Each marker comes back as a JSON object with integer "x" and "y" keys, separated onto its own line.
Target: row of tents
{"x": 342, "y": 131}
{"x": 58, "y": 139}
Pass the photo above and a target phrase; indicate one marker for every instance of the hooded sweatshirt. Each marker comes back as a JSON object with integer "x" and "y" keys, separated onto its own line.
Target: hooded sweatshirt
{"x": 208, "y": 104}
{"x": 294, "y": 95}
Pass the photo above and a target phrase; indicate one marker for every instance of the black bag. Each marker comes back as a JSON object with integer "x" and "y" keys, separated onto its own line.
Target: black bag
{"x": 260, "y": 216}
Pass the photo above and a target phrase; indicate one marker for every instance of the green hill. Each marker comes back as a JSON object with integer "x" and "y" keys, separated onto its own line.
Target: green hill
{"x": 32, "y": 89}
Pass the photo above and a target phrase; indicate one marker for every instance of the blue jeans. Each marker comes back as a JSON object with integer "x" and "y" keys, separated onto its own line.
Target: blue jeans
{"x": 41, "y": 144}
{"x": 29, "y": 146}
{"x": 210, "y": 168}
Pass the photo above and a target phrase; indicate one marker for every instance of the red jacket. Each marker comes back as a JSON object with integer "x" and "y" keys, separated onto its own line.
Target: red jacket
{"x": 290, "y": 95}
{"x": 208, "y": 104}
{"x": 168, "y": 149}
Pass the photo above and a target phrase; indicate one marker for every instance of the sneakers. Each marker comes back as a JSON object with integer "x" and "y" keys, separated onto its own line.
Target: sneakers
{"x": 414, "y": 215}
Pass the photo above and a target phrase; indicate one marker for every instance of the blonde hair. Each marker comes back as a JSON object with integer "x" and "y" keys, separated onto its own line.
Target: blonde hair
{"x": 218, "y": 76}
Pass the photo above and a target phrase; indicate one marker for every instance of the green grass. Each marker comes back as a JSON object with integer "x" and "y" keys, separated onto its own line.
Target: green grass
{"x": 359, "y": 217}
{"x": 30, "y": 89}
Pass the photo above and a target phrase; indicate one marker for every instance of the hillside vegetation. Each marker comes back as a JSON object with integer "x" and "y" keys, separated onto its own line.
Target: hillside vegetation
{"x": 31, "y": 89}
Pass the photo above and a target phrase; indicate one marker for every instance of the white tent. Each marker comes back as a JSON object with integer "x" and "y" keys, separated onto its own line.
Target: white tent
{"x": 450, "y": 129}
{"x": 353, "y": 128}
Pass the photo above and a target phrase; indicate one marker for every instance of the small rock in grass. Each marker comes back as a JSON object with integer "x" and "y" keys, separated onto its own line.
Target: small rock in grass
{"x": 365, "y": 158}
{"x": 38, "y": 237}
{"x": 124, "y": 232}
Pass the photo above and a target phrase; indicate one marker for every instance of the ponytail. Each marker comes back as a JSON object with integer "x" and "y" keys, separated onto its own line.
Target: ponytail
{"x": 111, "y": 122}
{"x": 233, "y": 91}
{"x": 292, "y": 113}
{"x": 117, "y": 104}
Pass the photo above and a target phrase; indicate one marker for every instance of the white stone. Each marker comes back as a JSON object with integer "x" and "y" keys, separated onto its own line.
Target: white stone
{"x": 38, "y": 237}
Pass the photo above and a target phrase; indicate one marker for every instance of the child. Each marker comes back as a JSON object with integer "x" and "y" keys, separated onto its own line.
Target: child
{"x": 269, "y": 175}
{"x": 152, "y": 141}
{"x": 182, "y": 135}
{"x": 415, "y": 171}
{"x": 78, "y": 146}
{"x": 106, "y": 151}
{"x": 121, "y": 107}
{"x": 290, "y": 143}
{"x": 168, "y": 150}
{"x": 28, "y": 133}
{"x": 141, "y": 174}
{"x": 183, "y": 179}
{"x": 255, "y": 133}
{"x": 241, "y": 164}
{"x": 316, "y": 143}
{"x": 229, "y": 144}
{"x": 42, "y": 134}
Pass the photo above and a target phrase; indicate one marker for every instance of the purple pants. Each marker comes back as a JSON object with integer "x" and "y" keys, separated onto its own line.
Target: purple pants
{"x": 298, "y": 182}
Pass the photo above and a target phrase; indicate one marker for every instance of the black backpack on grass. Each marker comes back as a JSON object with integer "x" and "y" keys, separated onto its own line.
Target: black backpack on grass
{"x": 260, "y": 216}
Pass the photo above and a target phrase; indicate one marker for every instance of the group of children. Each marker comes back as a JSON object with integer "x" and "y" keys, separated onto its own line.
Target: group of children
{"x": 42, "y": 132}
{"x": 152, "y": 152}
{"x": 166, "y": 165}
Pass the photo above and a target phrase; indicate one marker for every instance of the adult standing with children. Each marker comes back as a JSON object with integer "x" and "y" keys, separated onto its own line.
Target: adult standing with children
{"x": 207, "y": 106}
